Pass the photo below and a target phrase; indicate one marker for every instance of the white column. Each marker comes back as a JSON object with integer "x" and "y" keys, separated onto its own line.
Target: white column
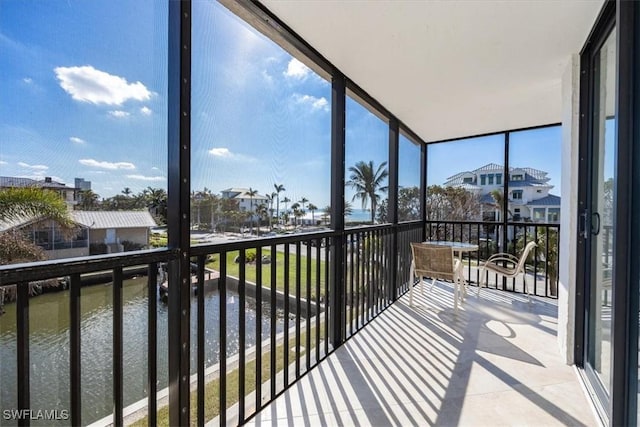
{"x": 569, "y": 208}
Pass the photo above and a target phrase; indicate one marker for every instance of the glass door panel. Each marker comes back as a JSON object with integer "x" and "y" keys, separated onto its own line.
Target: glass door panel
{"x": 600, "y": 235}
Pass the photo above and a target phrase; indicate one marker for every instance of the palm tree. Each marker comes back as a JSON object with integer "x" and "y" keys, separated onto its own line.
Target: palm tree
{"x": 155, "y": 200}
{"x": 28, "y": 203}
{"x": 348, "y": 209}
{"x": 88, "y": 200}
{"x": 327, "y": 214}
{"x": 285, "y": 201}
{"x": 498, "y": 198}
{"x": 302, "y": 202}
{"x": 313, "y": 208}
{"x": 251, "y": 194}
{"x": 367, "y": 180}
{"x": 279, "y": 188}
{"x": 126, "y": 191}
{"x": 296, "y": 210}
{"x": 262, "y": 212}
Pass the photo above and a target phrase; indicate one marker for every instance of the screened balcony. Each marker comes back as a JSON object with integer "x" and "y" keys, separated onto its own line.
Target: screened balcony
{"x": 285, "y": 314}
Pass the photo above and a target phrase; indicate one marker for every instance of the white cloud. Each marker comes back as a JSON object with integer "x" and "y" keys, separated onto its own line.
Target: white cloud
{"x": 225, "y": 153}
{"x": 146, "y": 111}
{"x": 28, "y": 80}
{"x": 118, "y": 113}
{"x": 311, "y": 101}
{"x": 297, "y": 70}
{"x": 77, "y": 140}
{"x": 33, "y": 167}
{"x": 153, "y": 168}
{"x": 220, "y": 152}
{"x": 2, "y": 162}
{"x": 147, "y": 178}
{"x": 107, "y": 165}
{"x": 86, "y": 84}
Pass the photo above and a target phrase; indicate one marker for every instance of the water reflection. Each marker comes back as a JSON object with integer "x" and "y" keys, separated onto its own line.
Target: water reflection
{"x": 49, "y": 346}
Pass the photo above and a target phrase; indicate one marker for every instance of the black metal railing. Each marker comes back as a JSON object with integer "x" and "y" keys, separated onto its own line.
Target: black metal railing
{"x": 287, "y": 280}
{"x": 542, "y": 263}
{"x": 72, "y": 271}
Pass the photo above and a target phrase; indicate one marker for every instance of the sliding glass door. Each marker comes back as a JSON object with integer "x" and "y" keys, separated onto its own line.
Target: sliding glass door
{"x": 599, "y": 229}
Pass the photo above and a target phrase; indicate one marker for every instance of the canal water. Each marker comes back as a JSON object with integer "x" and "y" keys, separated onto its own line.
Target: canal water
{"x": 49, "y": 347}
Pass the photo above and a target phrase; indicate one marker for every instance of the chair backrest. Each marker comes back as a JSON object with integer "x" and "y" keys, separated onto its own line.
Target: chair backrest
{"x": 525, "y": 254}
{"x": 435, "y": 261}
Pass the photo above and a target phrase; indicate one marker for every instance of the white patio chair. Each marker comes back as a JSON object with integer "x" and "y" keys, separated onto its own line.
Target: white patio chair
{"x": 517, "y": 265}
{"x": 436, "y": 262}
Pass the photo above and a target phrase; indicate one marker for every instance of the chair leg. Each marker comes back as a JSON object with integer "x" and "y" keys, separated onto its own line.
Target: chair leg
{"x": 411, "y": 285}
{"x": 526, "y": 286}
{"x": 412, "y": 282}
{"x": 433, "y": 283}
{"x": 481, "y": 281}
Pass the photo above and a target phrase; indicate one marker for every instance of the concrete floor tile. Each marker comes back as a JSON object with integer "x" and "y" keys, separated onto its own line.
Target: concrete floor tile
{"x": 495, "y": 362}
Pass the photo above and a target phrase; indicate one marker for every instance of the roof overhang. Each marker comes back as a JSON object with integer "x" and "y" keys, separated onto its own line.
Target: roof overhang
{"x": 450, "y": 69}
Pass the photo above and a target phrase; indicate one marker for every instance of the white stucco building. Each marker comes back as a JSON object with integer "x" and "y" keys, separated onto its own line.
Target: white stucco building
{"x": 246, "y": 202}
{"x": 528, "y": 194}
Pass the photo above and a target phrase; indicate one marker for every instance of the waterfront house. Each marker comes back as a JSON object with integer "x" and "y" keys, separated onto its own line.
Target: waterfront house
{"x": 528, "y": 194}
{"x": 115, "y": 229}
{"x": 95, "y": 232}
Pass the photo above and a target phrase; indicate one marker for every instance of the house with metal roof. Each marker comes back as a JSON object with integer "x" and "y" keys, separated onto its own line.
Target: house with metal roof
{"x": 528, "y": 191}
{"x": 95, "y": 232}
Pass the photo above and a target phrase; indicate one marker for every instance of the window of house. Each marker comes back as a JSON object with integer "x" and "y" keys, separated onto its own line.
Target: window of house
{"x": 483, "y": 179}
{"x": 498, "y": 179}
{"x": 538, "y": 214}
{"x": 553, "y": 215}
{"x": 490, "y": 179}
{"x": 517, "y": 195}
{"x": 517, "y": 177}
{"x": 467, "y": 180}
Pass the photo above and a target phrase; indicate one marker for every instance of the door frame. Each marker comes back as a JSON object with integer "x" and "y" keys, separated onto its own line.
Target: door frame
{"x": 621, "y": 406}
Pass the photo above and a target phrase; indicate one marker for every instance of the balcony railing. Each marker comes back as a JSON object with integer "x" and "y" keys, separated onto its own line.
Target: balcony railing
{"x": 288, "y": 278}
{"x": 542, "y": 264}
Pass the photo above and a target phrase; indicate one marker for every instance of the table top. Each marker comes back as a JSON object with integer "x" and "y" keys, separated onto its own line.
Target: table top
{"x": 457, "y": 246}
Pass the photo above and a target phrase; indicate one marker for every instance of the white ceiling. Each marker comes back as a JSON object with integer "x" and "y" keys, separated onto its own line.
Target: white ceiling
{"x": 450, "y": 68}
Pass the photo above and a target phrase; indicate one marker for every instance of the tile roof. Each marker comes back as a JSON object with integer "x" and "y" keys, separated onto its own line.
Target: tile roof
{"x": 549, "y": 200}
{"x": 531, "y": 175}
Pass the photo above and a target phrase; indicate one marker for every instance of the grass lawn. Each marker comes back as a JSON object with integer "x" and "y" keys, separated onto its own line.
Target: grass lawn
{"x": 233, "y": 269}
{"x": 212, "y": 389}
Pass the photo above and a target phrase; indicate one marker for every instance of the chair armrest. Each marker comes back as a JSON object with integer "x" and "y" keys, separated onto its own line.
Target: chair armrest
{"x": 495, "y": 260}
{"x": 503, "y": 257}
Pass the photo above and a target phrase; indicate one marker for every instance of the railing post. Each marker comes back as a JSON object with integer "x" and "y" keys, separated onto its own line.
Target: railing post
{"x": 505, "y": 196}
{"x": 337, "y": 312}
{"x": 423, "y": 189}
{"x": 392, "y": 206}
{"x": 178, "y": 216}
{"x": 23, "y": 368}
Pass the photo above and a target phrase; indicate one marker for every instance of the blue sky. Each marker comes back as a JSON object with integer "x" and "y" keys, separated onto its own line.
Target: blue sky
{"x": 84, "y": 92}
{"x": 84, "y": 95}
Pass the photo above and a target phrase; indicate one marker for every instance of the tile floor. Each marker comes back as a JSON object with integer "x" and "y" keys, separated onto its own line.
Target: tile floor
{"x": 494, "y": 363}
